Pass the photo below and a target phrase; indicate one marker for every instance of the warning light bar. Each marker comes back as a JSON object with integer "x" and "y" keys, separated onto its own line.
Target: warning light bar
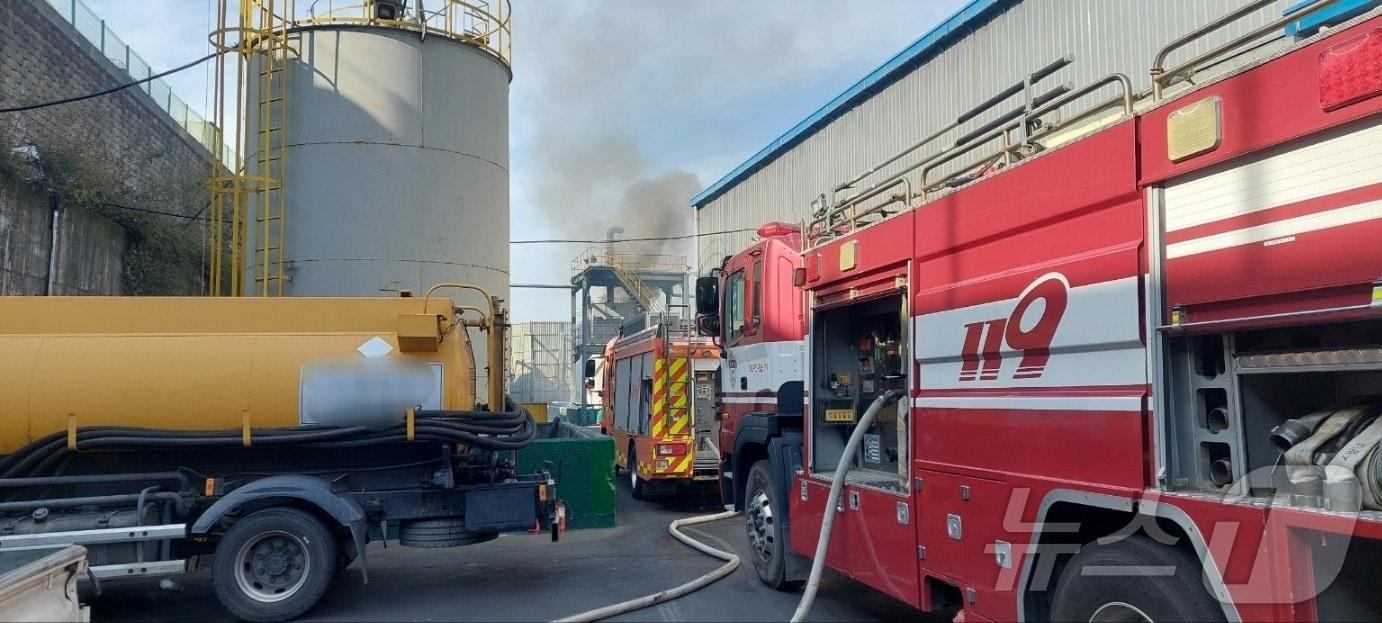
{"x": 777, "y": 228}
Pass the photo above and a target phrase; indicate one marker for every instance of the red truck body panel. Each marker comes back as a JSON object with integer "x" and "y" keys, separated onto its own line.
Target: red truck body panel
{"x": 1031, "y": 380}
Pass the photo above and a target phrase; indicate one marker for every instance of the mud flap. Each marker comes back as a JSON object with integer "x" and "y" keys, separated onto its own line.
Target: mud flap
{"x": 359, "y": 534}
{"x": 784, "y": 453}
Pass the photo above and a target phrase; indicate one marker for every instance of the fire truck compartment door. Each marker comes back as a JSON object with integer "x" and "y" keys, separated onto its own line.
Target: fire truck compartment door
{"x": 940, "y": 526}
{"x": 991, "y": 553}
{"x": 807, "y": 508}
{"x": 1288, "y": 229}
{"x": 872, "y": 539}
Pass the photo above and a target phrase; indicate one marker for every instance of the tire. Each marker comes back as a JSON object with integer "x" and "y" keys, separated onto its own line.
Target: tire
{"x": 274, "y": 565}
{"x": 1178, "y": 596}
{"x": 437, "y": 533}
{"x": 637, "y": 486}
{"x": 763, "y": 514}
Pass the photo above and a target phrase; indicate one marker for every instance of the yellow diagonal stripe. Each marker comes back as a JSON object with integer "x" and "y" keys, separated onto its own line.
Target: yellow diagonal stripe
{"x": 657, "y": 428}
{"x": 685, "y": 463}
{"x": 678, "y": 368}
{"x": 677, "y": 426}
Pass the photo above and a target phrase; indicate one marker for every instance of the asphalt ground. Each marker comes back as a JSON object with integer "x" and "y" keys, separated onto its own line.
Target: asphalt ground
{"x": 528, "y": 578}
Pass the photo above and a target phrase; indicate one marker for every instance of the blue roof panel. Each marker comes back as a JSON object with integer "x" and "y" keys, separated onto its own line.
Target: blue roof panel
{"x": 968, "y": 17}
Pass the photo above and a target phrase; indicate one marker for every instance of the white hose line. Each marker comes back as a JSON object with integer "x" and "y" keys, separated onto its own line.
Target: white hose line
{"x": 731, "y": 563}
{"x": 836, "y": 486}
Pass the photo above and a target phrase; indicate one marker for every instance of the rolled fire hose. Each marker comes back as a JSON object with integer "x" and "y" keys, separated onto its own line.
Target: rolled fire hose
{"x": 731, "y": 563}
{"x": 836, "y": 486}
{"x": 1301, "y": 469}
{"x": 1344, "y": 488}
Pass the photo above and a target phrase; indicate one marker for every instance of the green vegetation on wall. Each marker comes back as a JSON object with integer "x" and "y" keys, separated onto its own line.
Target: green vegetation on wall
{"x": 163, "y": 214}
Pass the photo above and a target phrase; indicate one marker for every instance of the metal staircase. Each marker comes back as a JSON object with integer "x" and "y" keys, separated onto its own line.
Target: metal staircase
{"x": 647, "y": 297}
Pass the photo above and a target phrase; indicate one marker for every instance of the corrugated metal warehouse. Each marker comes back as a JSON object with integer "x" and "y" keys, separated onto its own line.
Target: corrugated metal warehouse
{"x": 540, "y": 362}
{"x": 984, "y": 47}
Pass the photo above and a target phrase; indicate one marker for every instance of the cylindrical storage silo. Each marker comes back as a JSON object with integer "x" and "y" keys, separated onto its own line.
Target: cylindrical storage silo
{"x": 385, "y": 151}
{"x": 395, "y": 157}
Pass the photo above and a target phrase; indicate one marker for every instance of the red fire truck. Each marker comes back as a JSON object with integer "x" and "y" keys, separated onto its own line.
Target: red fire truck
{"x": 1138, "y": 344}
{"x": 763, "y": 342}
{"x": 659, "y": 397}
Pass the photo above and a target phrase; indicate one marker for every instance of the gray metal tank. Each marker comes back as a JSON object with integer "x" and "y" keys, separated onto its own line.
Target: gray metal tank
{"x": 396, "y": 163}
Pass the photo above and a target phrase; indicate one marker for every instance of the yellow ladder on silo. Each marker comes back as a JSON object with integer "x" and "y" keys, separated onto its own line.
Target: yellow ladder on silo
{"x": 271, "y": 140}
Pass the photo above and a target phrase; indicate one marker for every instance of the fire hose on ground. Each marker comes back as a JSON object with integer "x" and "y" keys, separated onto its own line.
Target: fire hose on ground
{"x": 732, "y": 561}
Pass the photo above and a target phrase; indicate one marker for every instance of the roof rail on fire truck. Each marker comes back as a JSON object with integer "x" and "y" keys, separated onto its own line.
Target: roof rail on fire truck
{"x": 1163, "y": 77}
{"x": 1016, "y": 133}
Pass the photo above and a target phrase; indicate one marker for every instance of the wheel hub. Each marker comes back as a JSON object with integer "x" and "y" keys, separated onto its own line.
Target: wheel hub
{"x": 272, "y": 566}
{"x": 758, "y": 518}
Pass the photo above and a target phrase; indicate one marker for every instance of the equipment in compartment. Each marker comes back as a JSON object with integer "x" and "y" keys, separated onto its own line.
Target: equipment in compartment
{"x": 863, "y": 348}
{"x": 1288, "y": 413}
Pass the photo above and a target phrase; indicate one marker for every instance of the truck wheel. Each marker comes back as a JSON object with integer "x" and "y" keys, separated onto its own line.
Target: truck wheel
{"x": 1169, "y": 587}
{"x": 763, "y": 514}
{"x": 637, "y": 485}
{"x": 274, "y": 565}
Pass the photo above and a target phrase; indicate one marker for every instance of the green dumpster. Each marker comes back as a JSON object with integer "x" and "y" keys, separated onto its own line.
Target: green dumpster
{"x": 582, "y": 462}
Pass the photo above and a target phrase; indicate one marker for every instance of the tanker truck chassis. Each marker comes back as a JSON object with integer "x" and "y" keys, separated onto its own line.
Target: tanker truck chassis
{"x": 278, "y": 495}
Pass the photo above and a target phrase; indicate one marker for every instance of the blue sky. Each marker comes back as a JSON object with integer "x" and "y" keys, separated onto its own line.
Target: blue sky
{"x": 621, "y": 110}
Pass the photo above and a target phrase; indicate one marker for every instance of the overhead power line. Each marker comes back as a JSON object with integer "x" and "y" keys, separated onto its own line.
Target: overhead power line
{"x": 79, "y": 98}
{"x": 191, "y": 217}
{"x": 646, "y": 239}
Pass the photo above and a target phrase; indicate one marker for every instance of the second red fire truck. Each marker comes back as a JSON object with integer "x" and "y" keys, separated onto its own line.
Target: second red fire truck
{"x": 658, "y": 399}
{"x": 1138, "y": 349}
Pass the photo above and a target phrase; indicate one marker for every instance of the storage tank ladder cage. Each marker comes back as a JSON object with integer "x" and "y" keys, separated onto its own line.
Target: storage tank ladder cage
{"x": 371, "y": 151}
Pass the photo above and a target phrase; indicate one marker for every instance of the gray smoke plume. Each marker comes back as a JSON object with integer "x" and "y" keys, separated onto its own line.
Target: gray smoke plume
{"x": 623, "y": 109}
{"x": 590, "y": 183}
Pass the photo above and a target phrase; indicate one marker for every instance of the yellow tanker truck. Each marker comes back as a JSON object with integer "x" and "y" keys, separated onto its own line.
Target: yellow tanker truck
{"x": 272, "y": 435}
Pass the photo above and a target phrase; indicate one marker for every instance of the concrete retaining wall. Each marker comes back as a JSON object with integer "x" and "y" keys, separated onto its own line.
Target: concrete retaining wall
{"x": 89, "y": 251}
{"x": 116, "y": 150}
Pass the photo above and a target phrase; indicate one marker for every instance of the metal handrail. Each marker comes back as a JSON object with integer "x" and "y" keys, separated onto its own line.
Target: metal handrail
{"x": 1125, "y": 98}
{"x": 641, "y": 262}
{"x": 823, "y": 226}
{"x": 828, "y": 219}
{"x": 977, "y": 110}
{"x": 1162, "y": 77}
{"x": 835, "y": 208}
{"x": 494, "y": 37}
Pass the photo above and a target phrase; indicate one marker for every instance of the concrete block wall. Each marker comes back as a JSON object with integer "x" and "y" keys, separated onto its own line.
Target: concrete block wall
{"x": 124, "y": 140}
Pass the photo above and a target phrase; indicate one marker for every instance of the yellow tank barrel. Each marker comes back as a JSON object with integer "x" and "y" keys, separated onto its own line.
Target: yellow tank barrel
{"x": 198, "y": 363}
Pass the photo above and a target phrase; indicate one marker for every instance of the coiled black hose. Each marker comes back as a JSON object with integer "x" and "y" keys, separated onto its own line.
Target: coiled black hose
{"x": 511, "y": 429}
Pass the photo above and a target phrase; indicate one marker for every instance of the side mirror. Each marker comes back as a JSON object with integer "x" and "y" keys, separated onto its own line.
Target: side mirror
{"x": 590, "y": 368}
{"x": 708, "y": 326}
{"x": 707, "y": 296}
